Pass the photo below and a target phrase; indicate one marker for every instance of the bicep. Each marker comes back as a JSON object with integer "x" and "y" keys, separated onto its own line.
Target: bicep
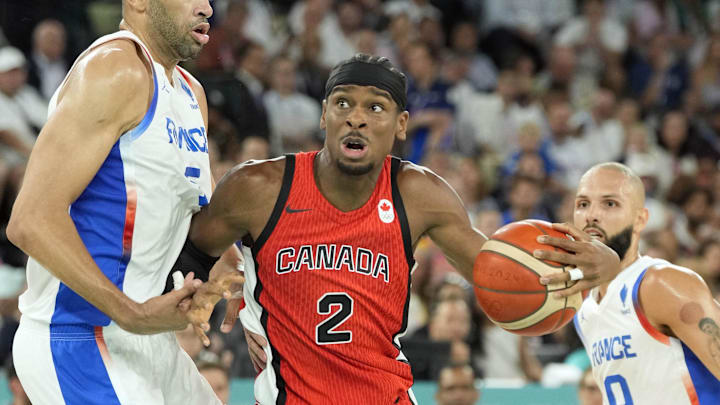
{"x": 80, "y": 133}
{"x": 682, "y": 302}
{"x": 449, "y": 226}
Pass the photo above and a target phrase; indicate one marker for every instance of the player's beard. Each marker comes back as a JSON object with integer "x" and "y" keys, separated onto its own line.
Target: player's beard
{"x": 620, "y": 242}
{"x": 355, "y": 170}
{"x": 175, "y": 36}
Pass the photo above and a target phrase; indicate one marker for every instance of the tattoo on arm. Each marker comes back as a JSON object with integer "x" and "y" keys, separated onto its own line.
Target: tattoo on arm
{"x": 710, "y": 328}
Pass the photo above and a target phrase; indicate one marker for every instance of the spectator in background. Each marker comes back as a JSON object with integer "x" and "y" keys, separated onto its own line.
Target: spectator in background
{"x": 658, "y": 78}
{"x": 22, "y": 110}
{"x": 464, "y": 42}
{"x": 19, "y": 397}
{"x": 47, "y": 66}
{"x": 226, "y": 37}
{"x": 416, "y": 10}
{"x": 601, "y": 129}
{"x": 217, "y": 375}
{"x": 599, "y": 41}
{"x": 561, "y": 79}
{"x": 691, "y": 222}
{"x": 456, "y": 385}
{"x": 706, "y": 78}
{"x": 253, "y": 148}
{"x": 492, "y": 120}
{"x": 312, "y": 75}
{"x": 334, "y": 31}
{"x": 524, "y": 199}
{"x": 588, "y": 390}
{"x": 428, "y": 103}
{"x": 294, "y": 117}
{"x": 568, "y": 148}
{"x": 251, "y": 66}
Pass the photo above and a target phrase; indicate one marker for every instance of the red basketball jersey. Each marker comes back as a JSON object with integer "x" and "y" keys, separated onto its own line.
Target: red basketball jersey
{"x": 331, "y": 290}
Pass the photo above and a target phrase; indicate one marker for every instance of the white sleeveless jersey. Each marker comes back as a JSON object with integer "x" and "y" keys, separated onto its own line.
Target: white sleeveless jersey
{"x": 135, "y": 214}
{"x": 633, "y": 362}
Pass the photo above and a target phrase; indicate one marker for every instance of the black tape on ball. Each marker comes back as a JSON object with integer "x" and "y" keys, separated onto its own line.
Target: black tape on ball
{"x": 369, "y": 74}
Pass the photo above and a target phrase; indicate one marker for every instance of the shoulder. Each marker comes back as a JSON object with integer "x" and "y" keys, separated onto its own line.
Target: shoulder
{"x": 251, "y": 182}
{"x": 115, "y": 67}
{"x": 412, "y": 177}
{"x": 666, "y": 289}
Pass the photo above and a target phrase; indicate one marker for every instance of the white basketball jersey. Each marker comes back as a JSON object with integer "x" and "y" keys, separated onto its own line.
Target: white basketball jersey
{"x": 633, "y": 362}
{"x": 135, "y": 214}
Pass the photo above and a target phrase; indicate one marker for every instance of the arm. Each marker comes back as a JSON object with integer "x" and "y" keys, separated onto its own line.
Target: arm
{"x": 107, "y": 94}
{"x": 678, "y": 302}
{"x": 435, "y": 209}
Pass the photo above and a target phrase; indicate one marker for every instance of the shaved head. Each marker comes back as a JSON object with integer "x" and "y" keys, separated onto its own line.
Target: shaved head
{"x": 632, "y": 187}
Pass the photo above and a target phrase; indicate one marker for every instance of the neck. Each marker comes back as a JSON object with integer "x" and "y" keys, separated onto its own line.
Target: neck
{"x": 344, "y": 191}
{"x": 161, "y": 52}
{"x": 630, "y": 256}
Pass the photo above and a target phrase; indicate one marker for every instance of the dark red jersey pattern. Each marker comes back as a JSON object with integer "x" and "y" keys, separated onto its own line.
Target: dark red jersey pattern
{"x": 334, "y": 291}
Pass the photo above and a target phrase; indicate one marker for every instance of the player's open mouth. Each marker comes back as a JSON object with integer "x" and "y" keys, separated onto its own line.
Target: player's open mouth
{"x": 595, "y": 233}
{"x": 200, "y": 33}
{"x": 354, "y": 147}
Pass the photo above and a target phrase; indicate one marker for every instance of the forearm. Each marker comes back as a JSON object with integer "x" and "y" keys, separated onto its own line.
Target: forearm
{"x": 53, "y": 241}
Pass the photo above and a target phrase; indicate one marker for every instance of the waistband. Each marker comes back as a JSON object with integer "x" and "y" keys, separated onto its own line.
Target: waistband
{"x": 66, "y": 331}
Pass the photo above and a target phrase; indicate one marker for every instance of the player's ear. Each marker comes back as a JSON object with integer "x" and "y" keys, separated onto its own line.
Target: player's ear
{"x": 641, "y": 220}
{"x": 323, "y": 124}
{"x": 136, "y": 5}
{"x": 401, "y": 125}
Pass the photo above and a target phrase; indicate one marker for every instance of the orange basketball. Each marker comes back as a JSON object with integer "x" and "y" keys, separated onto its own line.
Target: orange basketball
{"x": 507, "y": 281}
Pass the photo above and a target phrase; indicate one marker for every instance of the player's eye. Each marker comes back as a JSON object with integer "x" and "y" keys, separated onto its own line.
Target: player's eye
{"x": 611, "y": 204}
{"x": 342, "y": 103}
{"x": 377, "y": 108}
{"x": 582, "y": 204}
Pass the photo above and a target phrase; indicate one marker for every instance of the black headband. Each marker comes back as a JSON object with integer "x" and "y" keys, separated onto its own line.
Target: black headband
{"x": 369, "y": 74}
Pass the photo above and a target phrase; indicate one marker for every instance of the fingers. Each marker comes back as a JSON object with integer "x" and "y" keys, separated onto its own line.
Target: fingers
{"x": 576, "y": 288}
{"x": 571, "y": 230}
{"x": 231, "y": 315}
{"x": 255, "y": 347}
{"x": 555, "y": 278}
{"x": 560, "y": 257}
{"x": 190, "y": 285}
{"x": 200, "y": 333}
{"x": 185, "y": 304}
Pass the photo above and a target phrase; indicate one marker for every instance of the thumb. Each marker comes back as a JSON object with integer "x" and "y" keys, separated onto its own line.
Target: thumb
{"x": 190, "y": 285}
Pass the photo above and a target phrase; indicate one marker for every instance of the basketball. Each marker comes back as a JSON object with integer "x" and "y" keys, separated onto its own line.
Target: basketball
{"x": 507, "y": 281}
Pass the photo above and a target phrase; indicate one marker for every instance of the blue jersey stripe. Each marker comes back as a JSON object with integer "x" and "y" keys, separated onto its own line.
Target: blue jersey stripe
{"x": 150, "y": 114}
{"x": 81, "y": 372}
{"x": 99, "y": 217}
{"x": 706, "y": 385}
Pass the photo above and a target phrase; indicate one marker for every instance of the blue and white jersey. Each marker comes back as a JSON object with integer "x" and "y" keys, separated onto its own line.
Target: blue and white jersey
{"x": 633, "y": 362}
{"x": 135, "y": 214}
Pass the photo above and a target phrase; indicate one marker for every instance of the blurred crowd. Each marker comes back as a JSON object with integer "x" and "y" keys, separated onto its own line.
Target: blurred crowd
{"x": 510, "y": 101}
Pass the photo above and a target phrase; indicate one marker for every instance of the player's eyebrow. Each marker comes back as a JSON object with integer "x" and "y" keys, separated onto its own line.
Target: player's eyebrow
{"x": 604, "y": 196}
{"x": 377, "y": 92}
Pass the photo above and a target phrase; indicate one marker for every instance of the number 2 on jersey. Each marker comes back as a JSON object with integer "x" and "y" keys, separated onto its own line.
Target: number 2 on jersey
{"x": 325, "y": 333}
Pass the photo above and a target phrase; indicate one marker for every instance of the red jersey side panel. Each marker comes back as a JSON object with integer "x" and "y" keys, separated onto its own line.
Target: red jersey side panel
{"x": 333, "y": 287}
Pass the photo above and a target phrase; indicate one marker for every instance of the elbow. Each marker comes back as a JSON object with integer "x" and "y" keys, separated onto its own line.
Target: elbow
{"x": 19, "y": 228}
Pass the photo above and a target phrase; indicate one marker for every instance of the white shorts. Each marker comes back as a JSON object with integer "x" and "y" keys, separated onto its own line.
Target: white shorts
{"x": 86, "y": 365}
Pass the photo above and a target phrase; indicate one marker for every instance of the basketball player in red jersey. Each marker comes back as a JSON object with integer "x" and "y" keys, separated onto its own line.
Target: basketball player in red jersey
{"x": 333, "y": 235}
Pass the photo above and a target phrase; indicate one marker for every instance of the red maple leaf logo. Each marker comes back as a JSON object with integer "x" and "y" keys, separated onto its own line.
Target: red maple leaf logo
{"x": 385, "y": 206}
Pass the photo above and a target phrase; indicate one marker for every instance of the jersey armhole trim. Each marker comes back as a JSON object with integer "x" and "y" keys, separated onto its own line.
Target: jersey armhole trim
{"x": 400, "y": 209}
{"x": 150, "y": 114}
{"x": 649, "y": 328}
{"x": 287, "y": 181}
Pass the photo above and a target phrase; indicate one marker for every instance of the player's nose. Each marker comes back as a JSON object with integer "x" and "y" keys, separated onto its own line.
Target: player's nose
{"x": 203, "y": 9}
{"x": 356, "y": 118}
